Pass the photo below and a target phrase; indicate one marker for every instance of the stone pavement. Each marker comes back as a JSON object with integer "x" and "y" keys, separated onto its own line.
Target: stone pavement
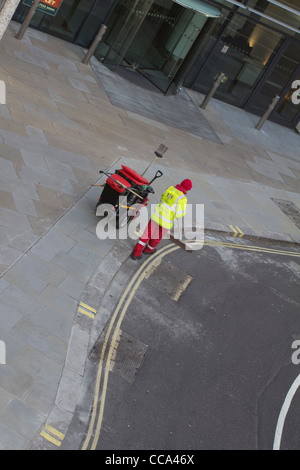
{"x": 62, "y": 123}
{"x": 238, "y": 172}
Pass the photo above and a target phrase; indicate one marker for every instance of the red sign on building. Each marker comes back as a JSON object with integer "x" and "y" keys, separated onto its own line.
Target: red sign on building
{"x": 50, "y": 7}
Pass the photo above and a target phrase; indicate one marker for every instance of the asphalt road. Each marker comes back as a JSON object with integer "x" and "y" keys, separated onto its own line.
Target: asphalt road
{"x": 201, "y": 353}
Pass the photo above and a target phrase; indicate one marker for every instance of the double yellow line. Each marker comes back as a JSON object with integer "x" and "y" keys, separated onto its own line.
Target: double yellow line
{"x": 87, "y": 310}
{"x": 259, "y": 249}
{"x": 115, "y": 323}
{"x": 52, "y": 435}
{"x": 111, "y": 336}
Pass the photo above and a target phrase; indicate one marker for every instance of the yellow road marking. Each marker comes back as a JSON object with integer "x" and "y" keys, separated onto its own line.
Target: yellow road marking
{"x": 85, "y": 312}
{"x": 234, "y": 230}
{"x": 50, "y": 438}
{"x": 241, "y": 233}
{"x": 137, "y": 277}
{"x": 182, "y": 288}
{"x": 130, "y": 291}
{"x": 114, "y": 337}
{"x": 55, "y": 432}
{"x": 251, "y": 248}
{"x": 88, "y": 307}
{"x": 237, "y": 231}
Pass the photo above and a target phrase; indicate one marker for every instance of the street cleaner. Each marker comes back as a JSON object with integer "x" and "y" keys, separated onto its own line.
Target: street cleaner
{"x": 172, "y": 206}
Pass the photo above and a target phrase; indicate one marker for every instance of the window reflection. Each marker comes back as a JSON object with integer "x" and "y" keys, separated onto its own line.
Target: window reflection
{"x": 97, "y": 16}
{"x": 65, "y": 24}
{"x": 153, "y": 37}
{"x": 242, "y": 54}
{"x": 288, "y": 15}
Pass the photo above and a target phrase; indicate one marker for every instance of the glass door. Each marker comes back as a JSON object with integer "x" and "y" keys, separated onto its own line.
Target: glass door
{"x": 163, "y": 42}
{"x": 279, "y": 80}
{"x": 97, "y": 16}
{"x": 122, "y": 27}
{"x": 153, "y": 37}
{"x": 243, "y": 53}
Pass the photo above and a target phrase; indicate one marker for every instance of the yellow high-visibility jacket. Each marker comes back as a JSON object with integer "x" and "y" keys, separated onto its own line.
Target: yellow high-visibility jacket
{"x": 172, "y": 205}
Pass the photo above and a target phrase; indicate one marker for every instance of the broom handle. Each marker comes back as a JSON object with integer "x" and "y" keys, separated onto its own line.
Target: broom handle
{"x": 123, "y": 185}
{"x": 129, "y": 190}
{"x": 149, "y": 165}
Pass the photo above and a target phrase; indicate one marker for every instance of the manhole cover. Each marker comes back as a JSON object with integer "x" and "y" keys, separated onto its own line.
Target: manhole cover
{"x": 127, "y": 356}
{"x": 170, "y": 280}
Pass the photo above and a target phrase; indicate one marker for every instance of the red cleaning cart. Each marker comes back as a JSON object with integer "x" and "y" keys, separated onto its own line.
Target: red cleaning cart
{"x": 127, "y": 192}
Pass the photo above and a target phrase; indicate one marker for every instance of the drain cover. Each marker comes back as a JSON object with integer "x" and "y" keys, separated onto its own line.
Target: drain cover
{"x": 170, "y": 280}
{"x": 289, "y": 209}
{"x": 127, "y": 356}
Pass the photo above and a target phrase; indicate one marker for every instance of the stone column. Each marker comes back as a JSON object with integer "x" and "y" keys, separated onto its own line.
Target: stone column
{"x": 6, "y": 14}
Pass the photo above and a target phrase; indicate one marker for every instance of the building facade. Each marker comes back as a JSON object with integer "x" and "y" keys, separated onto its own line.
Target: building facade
{"x": 255, "y": 43}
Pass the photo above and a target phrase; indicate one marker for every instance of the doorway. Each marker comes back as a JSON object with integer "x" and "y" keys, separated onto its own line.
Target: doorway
{"x": 280, "y": 79}
{"x": 154, "y": 37}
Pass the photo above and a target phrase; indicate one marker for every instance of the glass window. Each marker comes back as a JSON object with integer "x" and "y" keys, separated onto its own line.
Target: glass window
{"x": 153, "y": 37}
{"x": 289, "y": 15}
{"x": 291, "y": 3}
{"x": 165, "y": 38}
{"x": 122, "y": 27}
{"x": 96, "y": 18}
{"x": 208, "y": 46}
{"x": 242, "y": 54}
{"x": 65, "y": 24}
{"x": 279, "y": 79}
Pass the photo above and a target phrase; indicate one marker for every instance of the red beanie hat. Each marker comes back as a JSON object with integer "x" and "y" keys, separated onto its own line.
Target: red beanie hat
{"x": 186, "y": 184}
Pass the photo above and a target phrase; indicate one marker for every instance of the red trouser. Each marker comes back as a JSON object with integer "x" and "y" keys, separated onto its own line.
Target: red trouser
{"x": 152, "y": 235}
